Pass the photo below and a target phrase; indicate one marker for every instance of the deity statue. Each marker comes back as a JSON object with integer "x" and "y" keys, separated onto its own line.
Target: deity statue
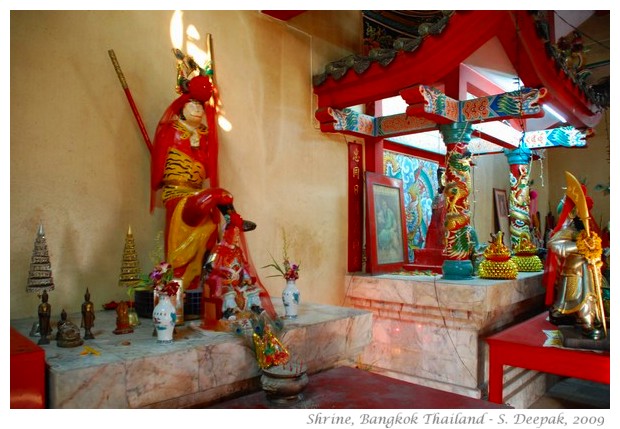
{"x": 63, "y": 319}
{"x": 68, "y": 333}
{"x": 235, "y": 291}
{"x": 45, "y": 311}
{"x": 88, "y": 316}
{"x": 123, "y": 326}
{"x": 435, "y": 238}
{"x": 184, "y": 168}
{"x": 573, "y": 270}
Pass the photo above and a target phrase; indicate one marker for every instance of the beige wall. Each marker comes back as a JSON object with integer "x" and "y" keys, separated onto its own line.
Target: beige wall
{"x": 590, "y": 164}
{"x": 80, "y": 166}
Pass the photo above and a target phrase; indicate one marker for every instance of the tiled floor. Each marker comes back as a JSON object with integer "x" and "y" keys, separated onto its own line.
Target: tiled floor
{"x": 572, "y": 393}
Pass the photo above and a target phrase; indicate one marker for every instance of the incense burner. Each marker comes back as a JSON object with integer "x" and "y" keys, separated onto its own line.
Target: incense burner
{"x": 283, "y": 384}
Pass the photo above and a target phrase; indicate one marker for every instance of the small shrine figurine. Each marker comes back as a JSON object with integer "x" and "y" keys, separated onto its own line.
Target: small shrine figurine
{"x": 232, "y": 281}
{"x": 525, "y": 255}
{"x": 63, "y": 319}
{"x": 88, "y": 316}
{"x": 45, "y": 312}
{"x": 123, "y": 326}
{"x": 134, "y": 320}
{"x": 497, "y": 263}
{"x": 68, "y": 333}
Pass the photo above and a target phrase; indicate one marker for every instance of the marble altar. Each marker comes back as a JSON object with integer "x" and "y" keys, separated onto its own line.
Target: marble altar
{"x": 430, "y": 331}
{"x": 199, "y": 367}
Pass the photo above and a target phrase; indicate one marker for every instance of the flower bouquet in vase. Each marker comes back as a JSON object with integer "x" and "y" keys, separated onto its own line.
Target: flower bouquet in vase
{"x": 290, "y": 272}
{"x": 166, "y": 290}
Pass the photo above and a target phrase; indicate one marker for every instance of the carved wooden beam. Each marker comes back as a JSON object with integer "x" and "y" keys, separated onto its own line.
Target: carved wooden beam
{"x": 431, "y": 103}
{"x": 557, "y": 137}
{"x": 401, "y": 124}
{"x": 346, "y": 121}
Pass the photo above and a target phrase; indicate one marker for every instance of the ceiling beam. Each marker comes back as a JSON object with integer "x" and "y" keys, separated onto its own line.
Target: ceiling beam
{"x": 283, "y": 15}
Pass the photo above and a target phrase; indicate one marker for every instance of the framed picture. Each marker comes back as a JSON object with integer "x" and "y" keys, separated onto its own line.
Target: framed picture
{"x": 386, "y": 237}
{"x": 502, "y": 222}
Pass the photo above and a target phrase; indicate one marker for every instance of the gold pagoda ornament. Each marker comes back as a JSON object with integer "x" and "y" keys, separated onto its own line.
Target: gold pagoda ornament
{"x": 525, "y": 255}
{"x": 497, "y": 263}
{"x": 40, "y": 275}
{"x": 130, "y": 266}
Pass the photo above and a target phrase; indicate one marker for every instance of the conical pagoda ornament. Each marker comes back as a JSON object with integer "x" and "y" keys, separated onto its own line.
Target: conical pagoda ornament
{"x": 497, "y": 263}
{"x": 130, "y": 266}
{"x": 525, "y": 255}
{"x": 40, "y": 275}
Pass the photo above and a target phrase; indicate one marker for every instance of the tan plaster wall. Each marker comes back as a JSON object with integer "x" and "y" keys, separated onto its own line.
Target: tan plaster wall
{"x": 590, "y": 164}
{"x": 80, "y": 166}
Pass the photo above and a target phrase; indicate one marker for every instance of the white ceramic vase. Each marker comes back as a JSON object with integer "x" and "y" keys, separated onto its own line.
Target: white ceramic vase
{"x": 290, "y": 299}
{"x": 164, "y": 319}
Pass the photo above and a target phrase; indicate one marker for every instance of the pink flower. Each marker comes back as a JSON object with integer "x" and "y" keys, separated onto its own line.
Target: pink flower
{"x": 287, "y": 270}
{"x": 162, "y": 278}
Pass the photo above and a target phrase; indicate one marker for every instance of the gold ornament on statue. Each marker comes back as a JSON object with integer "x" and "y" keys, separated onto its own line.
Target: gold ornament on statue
{"x": 526, "y": 258}
{"x": 497, "y": 263}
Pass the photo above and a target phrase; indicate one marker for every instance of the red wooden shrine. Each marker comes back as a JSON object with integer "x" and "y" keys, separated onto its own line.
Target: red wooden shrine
{"x": 437, "y": 62}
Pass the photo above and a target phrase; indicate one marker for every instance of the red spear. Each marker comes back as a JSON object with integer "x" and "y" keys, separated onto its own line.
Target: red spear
{"x": 134, "y": 109}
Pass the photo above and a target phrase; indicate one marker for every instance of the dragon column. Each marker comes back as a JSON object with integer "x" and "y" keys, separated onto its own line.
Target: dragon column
{"x": 458, "y": 232}
{"x": 519, "y": 206}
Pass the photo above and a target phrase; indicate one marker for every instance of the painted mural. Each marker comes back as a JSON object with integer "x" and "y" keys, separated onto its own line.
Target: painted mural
{"x": 420, "y": 187}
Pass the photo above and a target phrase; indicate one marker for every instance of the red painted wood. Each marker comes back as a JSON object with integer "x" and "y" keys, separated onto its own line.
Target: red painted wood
{"x": 352, "y": 388}
{"x": 536, "y": 69}
{"x": 522, "y": 346}
{"x": 356, "y": 207}
{"x": 465, "y": 33}
{"x": 428, "y": 64}
{"x": 27, "y": 373}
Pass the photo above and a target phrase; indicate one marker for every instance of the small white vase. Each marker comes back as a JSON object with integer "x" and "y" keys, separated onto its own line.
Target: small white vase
{"x": 290, "y": 299}
{"x": 164, "y": 319}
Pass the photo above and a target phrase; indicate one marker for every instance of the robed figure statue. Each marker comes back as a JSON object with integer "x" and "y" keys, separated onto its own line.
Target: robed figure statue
{"x": 573, "y": 268}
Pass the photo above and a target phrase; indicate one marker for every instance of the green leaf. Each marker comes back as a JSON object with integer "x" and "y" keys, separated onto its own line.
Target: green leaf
{"x": 274, "y": 265}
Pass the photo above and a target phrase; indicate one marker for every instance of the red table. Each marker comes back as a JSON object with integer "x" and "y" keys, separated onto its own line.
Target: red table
{"x": 352, "y": 388}
{"x": 522, "y": 346}
{"x": 27, "y": 373}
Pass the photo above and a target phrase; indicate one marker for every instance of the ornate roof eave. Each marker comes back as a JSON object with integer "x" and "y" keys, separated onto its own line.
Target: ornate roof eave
{"x": 537, "y": 67}
{"x": 424, "y": 65}
{"x": 359, "y": 80}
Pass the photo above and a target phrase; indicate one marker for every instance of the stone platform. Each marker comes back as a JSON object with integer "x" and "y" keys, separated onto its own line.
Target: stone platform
{"x": 200, "y": 367}
{"x": 430, "y": 331}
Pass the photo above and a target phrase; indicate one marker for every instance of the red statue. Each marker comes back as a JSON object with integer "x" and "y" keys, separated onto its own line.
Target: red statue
{"x": 183, "y": 159}
{"x": 236, "y": 292}
{"x": 184, "y": 168}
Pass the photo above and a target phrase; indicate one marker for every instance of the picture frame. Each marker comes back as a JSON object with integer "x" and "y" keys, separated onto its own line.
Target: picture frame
{"x": 502, "y": 222}
{"x": 386, "y": 233}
